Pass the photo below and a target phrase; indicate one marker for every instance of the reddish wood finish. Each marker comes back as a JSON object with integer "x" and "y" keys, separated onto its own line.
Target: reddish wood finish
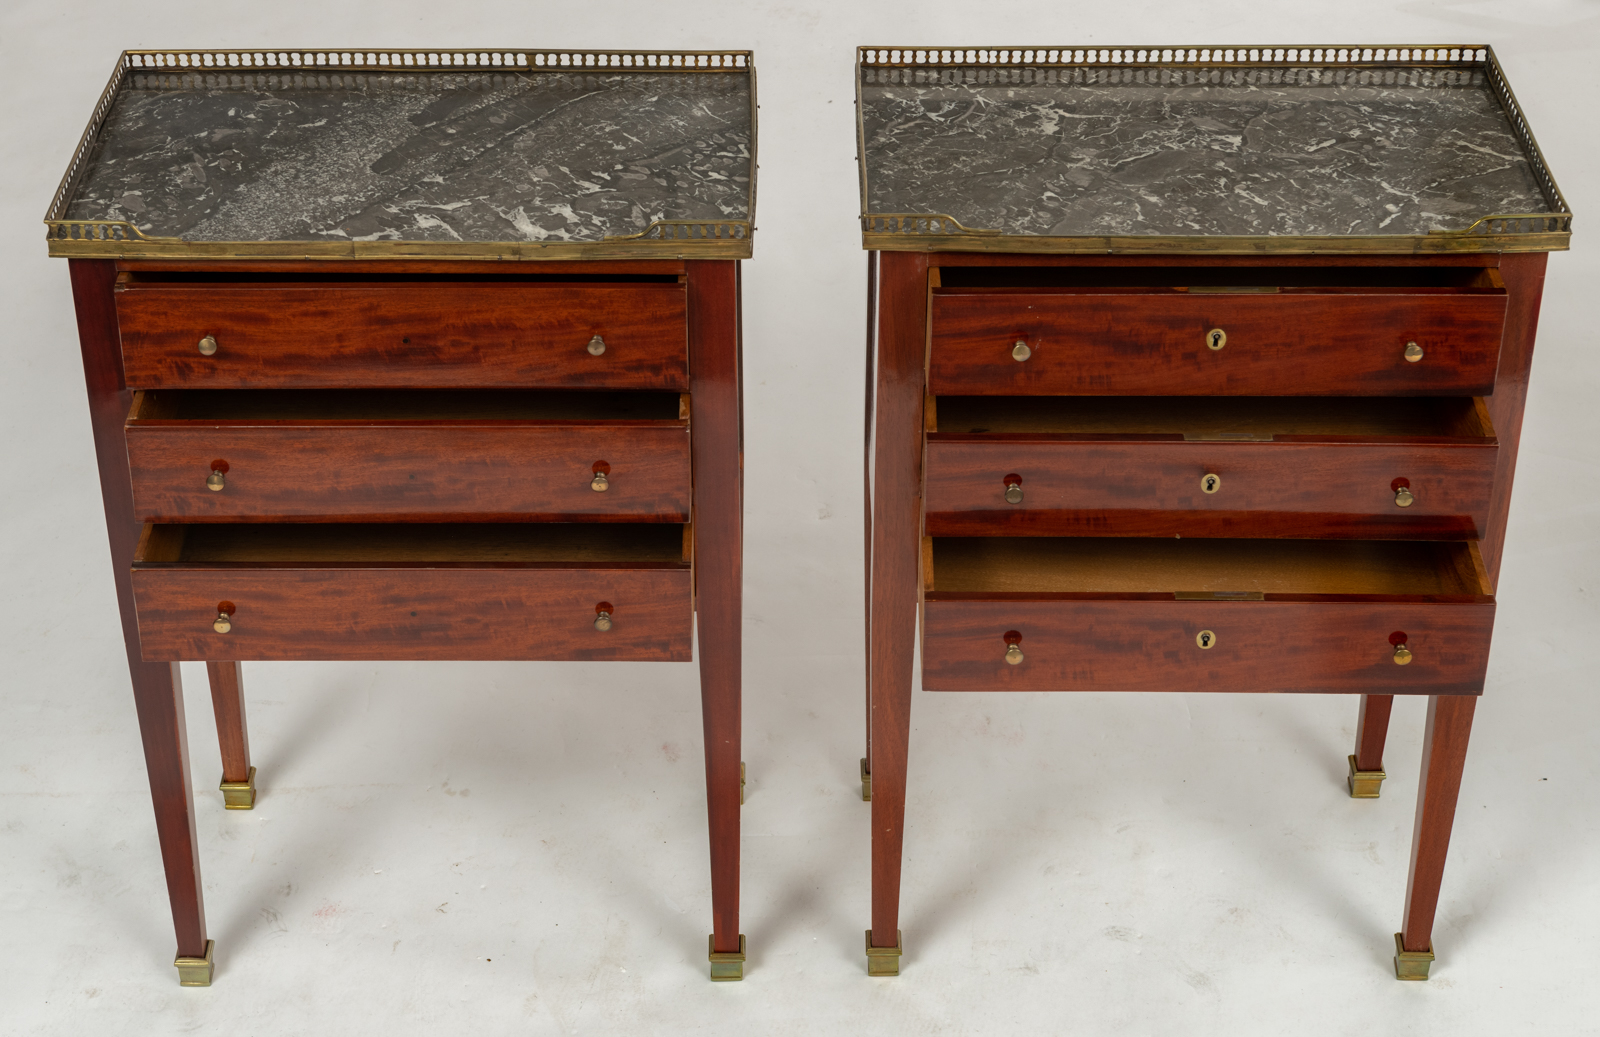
{"x": 1154, "y": 343}
{"x": 866, "y": 489}
{"x": 465, "y": 268}
{"x": 1147, "y": 643}
{"x": 1152, "y": 486}
{"x": 227, "y": 700}
{"x": 157, "y": 688}
{"x": 1372, "y": 729}
{"x": 1524, "y": 279}
{"x": 402, "y": 335}
{"x": 1444, "y": 754}
{"x": 485, "y": 471}
{"x": 1035, "y": 259}
{"x": 714, "y": 362}
{"x": 509, "y": 611}
{"x": 896, "y": 480}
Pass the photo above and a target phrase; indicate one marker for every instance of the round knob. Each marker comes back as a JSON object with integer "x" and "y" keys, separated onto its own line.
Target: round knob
{"x": 602, "y": 477}
{"x": 1013, "y": 489}
{"x": 1014, "y": 654}
{"x": 215, "y": 481}
{"x": 1402, "y": 655}
{"x": 1020, "y": 351}
{"x": 602, "y": 616}
{"x": 1206, "y": 639}
{"x": 208, "y": 345}
{"x": 1216, "y": 338}
{"x": 1404, "y": 498}
{"x": 597, "y": 345}
{"x": 224, "y": 621}
{"x": 1413, "y": 352}
{"x": 1211, "y": 482}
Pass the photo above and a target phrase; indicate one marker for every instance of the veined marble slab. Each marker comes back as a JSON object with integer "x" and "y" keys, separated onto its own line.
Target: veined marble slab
{"x": 1193, "y": 152}
{"x": 513, "y": 156}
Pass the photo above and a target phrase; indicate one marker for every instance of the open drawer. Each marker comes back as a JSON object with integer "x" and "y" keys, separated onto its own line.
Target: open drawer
{"x": 1101, "y": 614}
{"x": 1418, "y": 467}
{"x": 440, "y": 591}
{"x": 1187, "y": 331}
{"x": 200, "y": 455}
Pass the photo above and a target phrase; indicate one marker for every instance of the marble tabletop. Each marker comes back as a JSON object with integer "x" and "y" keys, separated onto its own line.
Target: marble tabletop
{"x": 448, "y": 156}
{"x": 1065, "y": 152}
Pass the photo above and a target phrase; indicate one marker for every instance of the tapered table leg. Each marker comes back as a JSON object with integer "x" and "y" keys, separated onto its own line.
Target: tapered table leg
{"x": 227, "y": 701}
{"x": 716, "y": 442}
{"x": 896, "y": 550}
{"x": 157, "y": 689}
{"x": 1444, "y": 753}
{"x": 1366, "y": 763}
{"x": 866, "y": 497}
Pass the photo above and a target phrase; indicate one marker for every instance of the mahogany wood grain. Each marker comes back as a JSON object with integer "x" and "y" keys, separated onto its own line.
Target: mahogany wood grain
{"x": 1339, "y": 483}
{"x": 939, "y": 260}
{"x": 896, "y": 479}
{"x": 1444, "y": 755}
{"x": 407, "y": 267}
{"x": 157, "y": 687}
{"x": 1524, "y": 278}
{"x": 486, "y": 471}
{"x": 1372, "y": 729}
{"x": 412, "y": 335}
{"x": 866, "y": 492}
{"x": 227, "y": 701}
{"x": 1124, "y": 343}
{"x": 715, "y": 347}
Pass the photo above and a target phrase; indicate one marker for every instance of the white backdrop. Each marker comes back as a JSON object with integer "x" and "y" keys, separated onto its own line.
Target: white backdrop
{"x": 521, "y": 848}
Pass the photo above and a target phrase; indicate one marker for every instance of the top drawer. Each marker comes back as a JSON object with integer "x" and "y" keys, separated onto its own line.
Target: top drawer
{"x": 403, "y": 334}
{"x": 1294, "y": 331}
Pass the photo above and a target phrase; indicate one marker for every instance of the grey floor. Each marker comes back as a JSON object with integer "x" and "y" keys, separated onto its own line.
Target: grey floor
{"x": 497, "y": 848}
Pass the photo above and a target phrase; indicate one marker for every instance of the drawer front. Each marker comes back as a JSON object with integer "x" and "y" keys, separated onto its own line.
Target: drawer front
{"x": 393, "y": 335}
{"x": 487, "y": 471}
{"x": 1105, "y": 644}
{"x": 1345, "y": 344}
{"x": 443, "y": 612}
{"x": 1156, "y": 488}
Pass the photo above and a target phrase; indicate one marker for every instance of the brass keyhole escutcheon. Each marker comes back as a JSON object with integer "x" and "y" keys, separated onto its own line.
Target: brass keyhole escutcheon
{"x": 1413, "y": 352}
{"x": 596, "y": 346}
{"x": 224, "y": 621}
{"x": 1206, "y": 639}
{"x": 1013, "y": 640}
{"x": 1404, "y": 498}
{"x": 208, "y": 345}
{"x": 216, "y": 481}
{"x": 1013, "y": 489}
{"x": 1211, "y": 482}
{"x": 602, "y": 616}
{"x": 1216, "y": 338}
{"x": 602, "y": 477}
{"x": 1020, "y": 351}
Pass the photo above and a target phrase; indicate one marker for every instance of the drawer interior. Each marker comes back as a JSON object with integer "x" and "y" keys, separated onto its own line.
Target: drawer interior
{"x": 1249, "y": 279}
{"x": 577, "y": 544}
{"x": 333, "y": 405}
{"x": 1076, "y": 565}
{"x": 1214, "y": 417}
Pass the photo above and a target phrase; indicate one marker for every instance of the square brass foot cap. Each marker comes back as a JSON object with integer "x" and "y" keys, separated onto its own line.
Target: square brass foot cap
{"x": 1411, "y": 964}
{"x": 195, "y": 972}
{"x": 866, "y": 782}
{"x": 240, "y": 795}
{"x": 726, "y": 966}
{"x": 885, "y": 961}
{"x": 1364, "y": 784}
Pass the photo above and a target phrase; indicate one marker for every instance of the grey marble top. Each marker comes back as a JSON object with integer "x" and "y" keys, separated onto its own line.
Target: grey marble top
{"x": 1193, "y": 152}
{"x": 514, "y": 156}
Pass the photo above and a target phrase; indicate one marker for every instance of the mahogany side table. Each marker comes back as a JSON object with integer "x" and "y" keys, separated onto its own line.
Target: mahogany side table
{"x": 416, "y": 354}
{"x": 1194, "y": 369}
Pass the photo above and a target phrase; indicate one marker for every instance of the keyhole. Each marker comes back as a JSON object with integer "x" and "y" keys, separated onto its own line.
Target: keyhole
{"x": 1211, "y": 483}
{"x": 1205, "y": 639}
{"x": 1216, "y": 338}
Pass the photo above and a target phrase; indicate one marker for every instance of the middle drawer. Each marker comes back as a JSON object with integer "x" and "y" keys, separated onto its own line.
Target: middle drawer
{"x": 398, "y": 456}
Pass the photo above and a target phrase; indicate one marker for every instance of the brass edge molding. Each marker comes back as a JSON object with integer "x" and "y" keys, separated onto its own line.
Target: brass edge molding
{"x": 679, "y": 239}
{"x": 1496, "y": 232}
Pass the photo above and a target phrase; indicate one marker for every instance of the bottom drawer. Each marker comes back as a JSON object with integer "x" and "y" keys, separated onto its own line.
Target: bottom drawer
{"x": 479, "y": 591}
{"x": 1092, "y": 614}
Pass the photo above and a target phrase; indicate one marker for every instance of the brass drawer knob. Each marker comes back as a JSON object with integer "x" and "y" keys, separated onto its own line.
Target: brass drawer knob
{"x": 224, "y": 621}
{"x": 1020, "y": 351}
{"x": 208, "y": 345}
{"x": 1402, "y": 655}
{"x": 1216, "y": 338}
{"x": 602, "y": 477}
{"x": 1013, "y": 489}
{"x": 1206, "y": 639}
{"x": 1413, "y": 352}
{"x": 597, "y": 346}
{"x": 1211, "y": 482}
{"x": 216, "y": 481}
{"x": 1013, "y": 641}
{"x": 1404, "y": 498}
{"x": 602, "y": 616}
